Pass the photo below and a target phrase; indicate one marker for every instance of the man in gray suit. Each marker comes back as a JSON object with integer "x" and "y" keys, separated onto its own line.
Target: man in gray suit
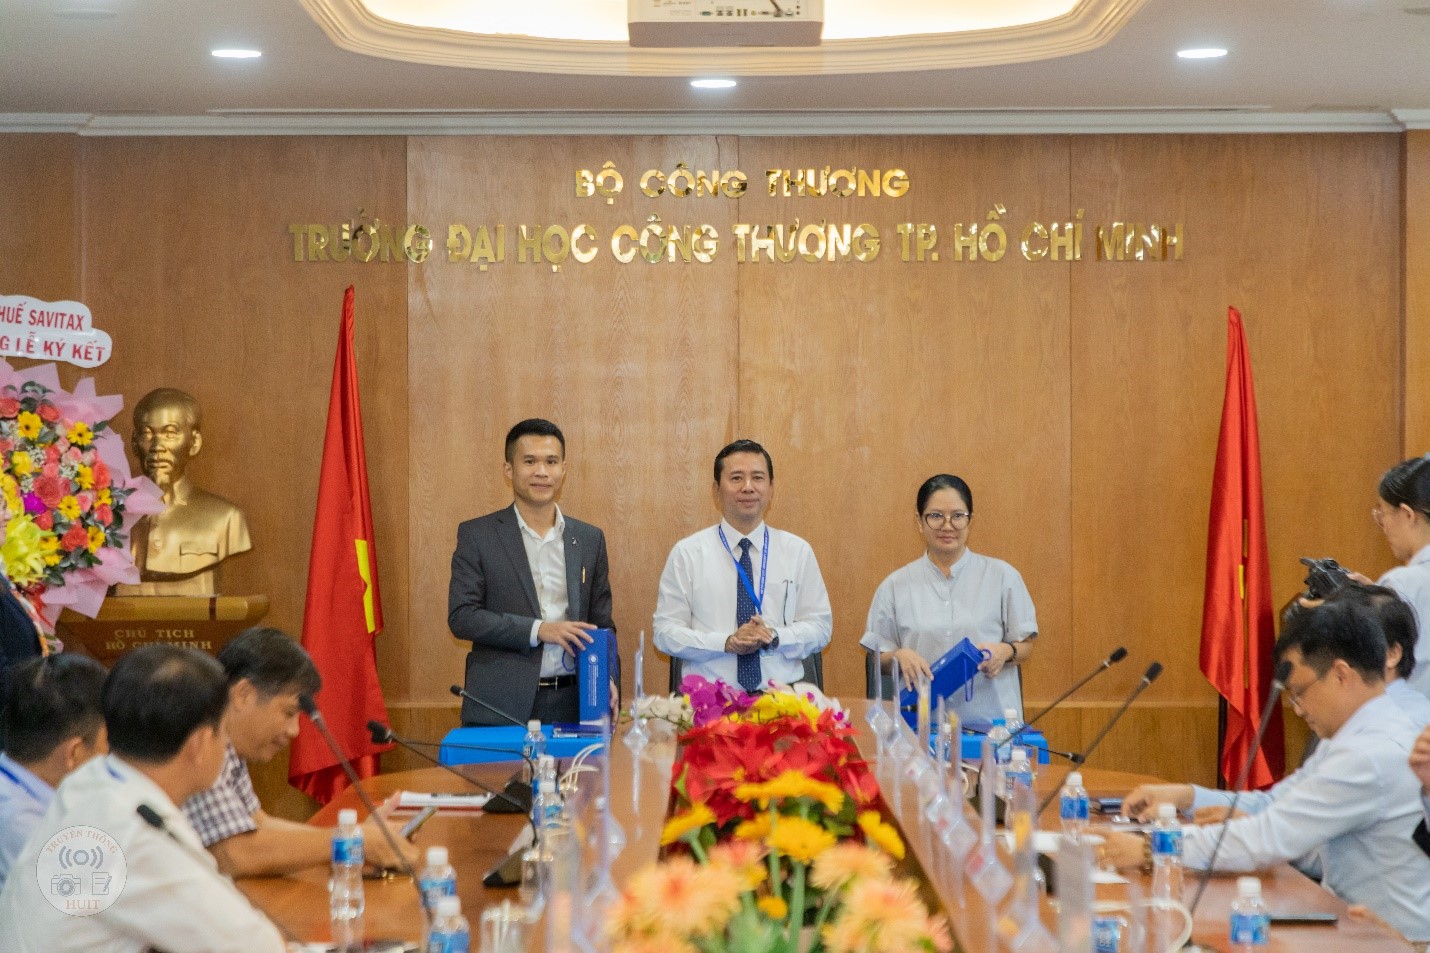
{"x": 528, "y": 586}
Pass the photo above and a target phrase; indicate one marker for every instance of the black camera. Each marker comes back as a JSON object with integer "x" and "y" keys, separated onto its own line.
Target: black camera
{"x": 1324, "y": 578}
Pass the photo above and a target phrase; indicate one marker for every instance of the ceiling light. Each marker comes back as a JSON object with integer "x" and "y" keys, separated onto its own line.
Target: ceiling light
{"x": 713, "y": 83}
{"x": 1202, "y": 53}
{"x": 237, "y": 54}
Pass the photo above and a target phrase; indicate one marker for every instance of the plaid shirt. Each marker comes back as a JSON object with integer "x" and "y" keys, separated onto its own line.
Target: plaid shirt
{"x": 226, "y": 809}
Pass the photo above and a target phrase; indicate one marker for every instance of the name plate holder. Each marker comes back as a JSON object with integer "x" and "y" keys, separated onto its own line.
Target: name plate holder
{"x": 125, "y": 623}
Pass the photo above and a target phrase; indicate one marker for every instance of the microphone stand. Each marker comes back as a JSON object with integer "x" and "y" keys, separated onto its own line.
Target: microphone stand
{"x": 1278, "y": 685}
{"x": 460, "y": 692}
{"x": 310, "y": 708}
{"x": 1068, "y": 755}
{"x": 381, "y": 734}
{"x": 1153, "y": 671}
{"x": 1117, "y": 655}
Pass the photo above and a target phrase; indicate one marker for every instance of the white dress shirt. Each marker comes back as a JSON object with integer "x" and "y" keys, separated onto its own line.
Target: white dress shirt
{"x": 1412, "y": 583}
{"x": 173, "y": 898}
{"x": 546, "y": 555}
{"x": 695, "y": 609}
{"x": 1353, "y": 806}
{"x": 981, "y": 599}
{"x": 23, "y": 799}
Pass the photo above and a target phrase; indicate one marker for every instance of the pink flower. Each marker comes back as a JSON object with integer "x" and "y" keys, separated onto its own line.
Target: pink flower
{"x": 51, "y": 470}
{"x": 45, "y": 521}
{"x": 48, "y": 412}
{"x": 104, "y": 514}
{"x": 75, "y": 538}
{"x": 71, "y": 455}
{"x": 86, "y": 501}
{"x": 101, "y": 475}
{"x": 52, "y": 454}
{"x": 5, "y": 447}
{"x": 49, "y": 490}
{"x": 9, "y": 407}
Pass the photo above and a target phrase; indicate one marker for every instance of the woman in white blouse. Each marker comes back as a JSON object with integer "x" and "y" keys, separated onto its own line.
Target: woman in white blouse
{"x": 950, "y": 593}
{"x": 1403, "y": 513}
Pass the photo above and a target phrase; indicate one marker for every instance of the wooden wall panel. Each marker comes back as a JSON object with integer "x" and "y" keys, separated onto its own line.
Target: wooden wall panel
{"x": 635, "y": 362}
{"x": 188, "y": 264}
{"x": 1416, "y": 221}
{"x": 865, "y": 379}
{"x": 1298, "y": 232}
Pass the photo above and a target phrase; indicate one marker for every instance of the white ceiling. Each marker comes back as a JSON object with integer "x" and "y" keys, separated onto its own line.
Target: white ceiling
{"x": 1358, "y": 63}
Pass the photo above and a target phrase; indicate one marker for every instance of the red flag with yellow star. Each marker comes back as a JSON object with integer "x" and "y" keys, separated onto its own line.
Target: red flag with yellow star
{"x": 343, "y": 613}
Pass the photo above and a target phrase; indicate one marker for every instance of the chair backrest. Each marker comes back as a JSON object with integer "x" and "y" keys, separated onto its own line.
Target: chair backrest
{"x": 871, "y": 666}
{"x": 813, "y": 671}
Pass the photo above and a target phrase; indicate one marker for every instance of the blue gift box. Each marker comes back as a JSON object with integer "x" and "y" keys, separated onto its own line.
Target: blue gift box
{"x": 953, "y": 670}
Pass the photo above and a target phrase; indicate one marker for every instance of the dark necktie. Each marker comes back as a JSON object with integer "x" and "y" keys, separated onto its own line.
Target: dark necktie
{"x": 747, "y": 667}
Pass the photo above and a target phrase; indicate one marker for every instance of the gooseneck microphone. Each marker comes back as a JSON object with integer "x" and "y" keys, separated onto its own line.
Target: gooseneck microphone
{"x": 382, "y": 734}
{"x": 1278, "y": 685}
{"x": 310, "y": 708}
{"x": 463, "y": 693}
{"x": 1153, "y": 671}
{"x": 152, "y": 818}
{"x": 1117, "y": 655}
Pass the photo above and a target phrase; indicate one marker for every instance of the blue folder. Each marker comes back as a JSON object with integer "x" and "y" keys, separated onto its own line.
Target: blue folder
{"x": 508, "y": 739}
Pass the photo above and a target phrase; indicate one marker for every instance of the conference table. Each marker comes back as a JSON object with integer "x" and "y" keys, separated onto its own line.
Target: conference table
{"x": 640, "y": 795}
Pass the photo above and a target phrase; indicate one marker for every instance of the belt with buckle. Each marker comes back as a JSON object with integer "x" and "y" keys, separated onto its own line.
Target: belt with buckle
{"x": 556, "y": 681}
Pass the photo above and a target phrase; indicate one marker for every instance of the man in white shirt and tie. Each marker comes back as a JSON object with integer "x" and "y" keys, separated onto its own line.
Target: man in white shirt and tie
{"x": 741, "y": 602}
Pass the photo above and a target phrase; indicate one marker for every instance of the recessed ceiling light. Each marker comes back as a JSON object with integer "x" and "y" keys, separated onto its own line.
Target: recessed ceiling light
{"x": 713, "y": 83}
{"x": 1202, "y": 53}
{"x": 237, "y": 54}
{"x": 85, "y": 12}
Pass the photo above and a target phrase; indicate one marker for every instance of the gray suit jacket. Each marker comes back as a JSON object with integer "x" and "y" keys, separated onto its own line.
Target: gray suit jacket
{"x": 491, "y": 602}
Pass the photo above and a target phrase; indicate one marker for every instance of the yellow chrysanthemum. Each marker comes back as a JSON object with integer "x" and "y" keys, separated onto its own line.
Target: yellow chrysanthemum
{"x": 773, "y": 907}
{"x": 884, "y": 835}
{"x": 96, "y": 539}
{"x": 799, "y": 839}
{"x": 756, "y": 829}
{"x": 104, "y": 497}
{"x": 23, "y": 551}
{"x": 84, "y": 476}
{"x": 688, "y": 823}
{"x": 21, "y": 463}
{"x": 79, "y": 434}
{"x": 793, "y": 784}
{"x": 29, "y": 425}
{"x": 10, "y": 490}
{"x": 847, "y": 862}
{"x": 679, "y": 898}
{"x": 774, "y": 705}
{"x": 69, "y": 508}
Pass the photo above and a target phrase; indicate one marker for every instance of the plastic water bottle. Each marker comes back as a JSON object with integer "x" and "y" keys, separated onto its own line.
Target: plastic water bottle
{"x": 345, "y": 897}
{"x": 546, "y": 809}
{"x": 998, "y": 737}
{"x": 1019, "y": 771}
{"x": 1250, "y": 924}
{"x": 450, "y": 932}
{"x": 1073, "y": 805}
{"x": 438, "y": 879}
{"x": 533, "y": 746}
{"x": 1013, "y": 721}
{"x": 1167, "y": 855}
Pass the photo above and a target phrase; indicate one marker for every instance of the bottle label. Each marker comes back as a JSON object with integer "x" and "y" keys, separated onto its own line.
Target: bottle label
{"x": 434, "y": 887}
{"x": 1074, "y": 808}
{"x": 1167, "y": 842}
{"x": 1015, "y": 778}
{"x": 347, "y": 851}
{"x": 1106, "y": 935}
{"x": 456, "y": 941}
{"x": 1249, "y": 929}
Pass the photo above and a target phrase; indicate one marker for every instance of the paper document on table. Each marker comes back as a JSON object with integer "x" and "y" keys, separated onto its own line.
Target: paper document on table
{"x": 417, "y": 800}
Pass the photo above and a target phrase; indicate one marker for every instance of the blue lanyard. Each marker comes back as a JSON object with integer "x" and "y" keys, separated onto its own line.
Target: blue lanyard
{"x": 759, "y": 600}
{"x": 34, "y": 796}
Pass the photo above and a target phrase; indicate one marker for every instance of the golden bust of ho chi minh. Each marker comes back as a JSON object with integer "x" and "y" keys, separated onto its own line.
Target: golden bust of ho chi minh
{"x": 177, "y": 551}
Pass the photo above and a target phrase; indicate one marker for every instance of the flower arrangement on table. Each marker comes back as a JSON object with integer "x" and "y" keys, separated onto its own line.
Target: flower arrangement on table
{"x": 66, "y": 493}
{"x": 776, "y": 826}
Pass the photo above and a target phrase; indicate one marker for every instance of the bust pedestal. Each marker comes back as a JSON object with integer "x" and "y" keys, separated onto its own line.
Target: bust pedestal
{"x": 127, "y": 622}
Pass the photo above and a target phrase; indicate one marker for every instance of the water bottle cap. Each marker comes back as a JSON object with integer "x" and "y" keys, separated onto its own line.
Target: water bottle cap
{"x": 1248, "y": 887}
{"x": 1075, "y": 777}
{"x": 1020, "y": 754}
{"x": 1010, "y": 714}
{"x": 347, "y": 817}
{"x": 449, "y": 906}
{"x": 436, "y": 857}
{"x": 548, "y": 786}
{"x": 533, "y": 725}
{"x": 1167, "y": 811}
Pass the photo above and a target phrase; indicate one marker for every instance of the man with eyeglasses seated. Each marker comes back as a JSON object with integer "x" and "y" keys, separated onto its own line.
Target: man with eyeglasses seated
{"x": 741, "y": 602}
{"x": 1352, "y": 808}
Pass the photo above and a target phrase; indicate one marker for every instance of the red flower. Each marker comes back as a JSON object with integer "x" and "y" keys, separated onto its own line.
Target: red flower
{"x": 9, "y": 407}
{"x": 101, "y": 475}
{"x": 48, "y": 489}
{"x": 52, "y": 455}
{"x": 85, "y": 499}
{"x": 75, "y": 538}
{"x": 5, "y": 447}
{"x": 45, "y": 521}
{"x": 48, "y": 412}
{"x": 104, "y": 514}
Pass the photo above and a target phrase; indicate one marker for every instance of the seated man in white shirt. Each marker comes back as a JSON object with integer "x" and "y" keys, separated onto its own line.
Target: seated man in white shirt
{"x": 1397, "y": 621}
{"x": 136, "y": 875}
{"x": 740, "y": 602}
{"x": 52, "y": 725}
{"x": 267, "y": 671}
{"x": 1354, "y": 805}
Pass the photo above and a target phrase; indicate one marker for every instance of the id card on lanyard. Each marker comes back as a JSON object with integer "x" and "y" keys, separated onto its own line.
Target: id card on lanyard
{"x": 758, "y": 600}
